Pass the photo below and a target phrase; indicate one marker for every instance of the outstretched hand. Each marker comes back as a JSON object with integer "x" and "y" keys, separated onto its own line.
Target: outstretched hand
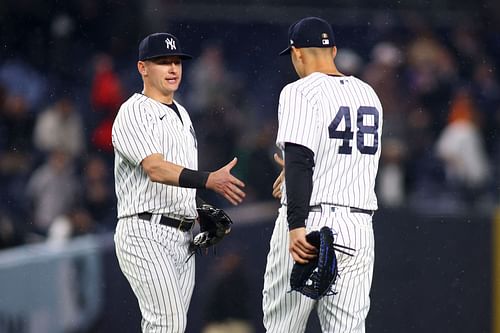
{"x": 279, "y": 180}
{"x": 225, "y": 184}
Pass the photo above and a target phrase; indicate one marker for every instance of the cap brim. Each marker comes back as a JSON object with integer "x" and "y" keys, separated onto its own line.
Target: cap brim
{"x": 183, "y": 56}
{"x": 285, "y": 51}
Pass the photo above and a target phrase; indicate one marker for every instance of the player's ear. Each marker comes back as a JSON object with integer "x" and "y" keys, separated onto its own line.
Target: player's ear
{"x": 296, "y": 53}
{"x": 141, "y": 67}
{"x": 334, "y": 52}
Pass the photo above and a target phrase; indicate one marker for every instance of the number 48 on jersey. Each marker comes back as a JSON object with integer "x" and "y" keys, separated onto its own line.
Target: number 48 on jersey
{"x": 362, "y": 133}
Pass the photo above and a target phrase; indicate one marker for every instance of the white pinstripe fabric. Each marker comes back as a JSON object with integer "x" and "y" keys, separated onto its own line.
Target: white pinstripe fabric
{"x": 340, "y": 120}
{"x": 153, "y": 259}
{"x": 152, "y": 256}
{"x": 306, "y": 109}
{"x": 346, "y": 311}
{"x": 143, "y": 127}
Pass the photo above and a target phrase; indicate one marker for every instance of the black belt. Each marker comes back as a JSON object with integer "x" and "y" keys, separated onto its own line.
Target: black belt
{"x": 182, "y": 225}
{"x": 318, "y": 208}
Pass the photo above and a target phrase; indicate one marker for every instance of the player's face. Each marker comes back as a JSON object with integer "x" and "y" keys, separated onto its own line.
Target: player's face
{"x": 163, "y": 74}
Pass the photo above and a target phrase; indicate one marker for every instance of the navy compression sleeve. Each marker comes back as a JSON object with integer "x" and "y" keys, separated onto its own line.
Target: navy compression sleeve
{"x": 299, "y": 164}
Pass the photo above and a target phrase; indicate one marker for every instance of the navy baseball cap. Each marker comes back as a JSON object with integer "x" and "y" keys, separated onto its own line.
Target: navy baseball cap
{"x": 310, "y": 32}
{"x": 161, "y": 45}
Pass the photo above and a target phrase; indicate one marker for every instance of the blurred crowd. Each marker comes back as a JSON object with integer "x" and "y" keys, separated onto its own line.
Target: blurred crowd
{"x": 439, "y": 87}
{"x": 441, "y": 94}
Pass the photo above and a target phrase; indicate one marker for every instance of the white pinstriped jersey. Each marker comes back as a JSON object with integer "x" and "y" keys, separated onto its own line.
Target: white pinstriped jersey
{"x": 339, "y": 118}
{"x": 144, "y": 127}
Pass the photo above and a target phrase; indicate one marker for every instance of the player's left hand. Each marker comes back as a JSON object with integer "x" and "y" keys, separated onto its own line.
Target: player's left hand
{"x": 299, "y": 248}
{"x": 215, "y": 224}
{"x": 279, "y": 180}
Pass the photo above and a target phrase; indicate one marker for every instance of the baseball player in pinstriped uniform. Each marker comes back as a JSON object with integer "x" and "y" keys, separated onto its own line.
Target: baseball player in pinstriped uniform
{"x": 156, "y": 179}
{"x": 330, "y": 127}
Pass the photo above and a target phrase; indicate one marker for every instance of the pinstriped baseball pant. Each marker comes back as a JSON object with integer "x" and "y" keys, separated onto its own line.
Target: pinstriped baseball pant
{"x": 286, "y": 311}
{"x": 153, "y": 259}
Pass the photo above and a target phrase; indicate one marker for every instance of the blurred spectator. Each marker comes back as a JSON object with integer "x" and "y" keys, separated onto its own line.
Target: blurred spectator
{"x": 52, "y": 190}
{"x": 16, "y": 122}
{"x": 432, "y": 74}
{"x": 349, "y": 62}
{"x": 461, "y": 148}
{"x": 106, "y": 97}
{"x": 16, "y": 159}
{"x": 60, "y": 127}
{"x": 21, "y": 79}
{"x": 216, "y": 99}
{"x": 261, "y": 170}
{"x": 467, "y": 45}
{"x": 101, "y": 137}
{"x": 210, "y": 81}
{"x": 106, "y": 91}
{"x": 486, "y": 91}
{"x": 391, "y": 188}
{"x": 98, "y": 191}
{"x": 420, "y": 162}
{"x": 62, "y": 51}
{"x": 382, "y": 73}
{"x": 76, "y": 222}
{"x": 10, "y": 232}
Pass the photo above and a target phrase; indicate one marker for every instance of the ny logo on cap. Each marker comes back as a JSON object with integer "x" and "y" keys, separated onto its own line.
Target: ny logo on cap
{"x": 170, "y": 43}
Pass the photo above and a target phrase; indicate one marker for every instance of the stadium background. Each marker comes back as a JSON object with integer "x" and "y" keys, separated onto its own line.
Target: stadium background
{"x": 65, "y": 66}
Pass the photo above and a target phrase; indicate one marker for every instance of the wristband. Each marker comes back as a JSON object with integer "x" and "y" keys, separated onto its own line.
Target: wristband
{"x": 192, "y": 178}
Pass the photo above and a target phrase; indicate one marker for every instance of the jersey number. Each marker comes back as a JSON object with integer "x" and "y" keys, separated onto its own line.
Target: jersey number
{"x": 347, "y": 134}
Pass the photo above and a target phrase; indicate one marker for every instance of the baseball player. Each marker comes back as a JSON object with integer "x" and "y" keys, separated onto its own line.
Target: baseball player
{"x": 156, "y": 179}
{"x": 329, "y": 131}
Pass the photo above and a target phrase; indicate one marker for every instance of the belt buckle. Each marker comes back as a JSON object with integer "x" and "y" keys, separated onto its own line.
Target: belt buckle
{"x": 183, "y": 220}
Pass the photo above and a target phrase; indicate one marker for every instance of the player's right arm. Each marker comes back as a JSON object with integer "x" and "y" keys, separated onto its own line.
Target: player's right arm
{"x": 296, "y": 136}
{"x": 134, "y": 137}
{"x": 221, "y": 181}
{"x": 299, "y": 163}
{"x": 161, "y": 171}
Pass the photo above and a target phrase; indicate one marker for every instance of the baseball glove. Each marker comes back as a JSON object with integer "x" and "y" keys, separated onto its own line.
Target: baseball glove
{"x": 316, "y": 278}
{"x": 215, "y": 224}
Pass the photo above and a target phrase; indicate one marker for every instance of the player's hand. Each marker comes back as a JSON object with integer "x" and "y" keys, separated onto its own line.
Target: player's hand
{"x": 299, "y": 248}
{"x": 279, "y": 180}
{"x": 224, "y": 183}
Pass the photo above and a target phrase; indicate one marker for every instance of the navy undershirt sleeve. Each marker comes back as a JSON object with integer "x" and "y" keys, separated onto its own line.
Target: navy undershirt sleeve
{"x": 299, "y": 164}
